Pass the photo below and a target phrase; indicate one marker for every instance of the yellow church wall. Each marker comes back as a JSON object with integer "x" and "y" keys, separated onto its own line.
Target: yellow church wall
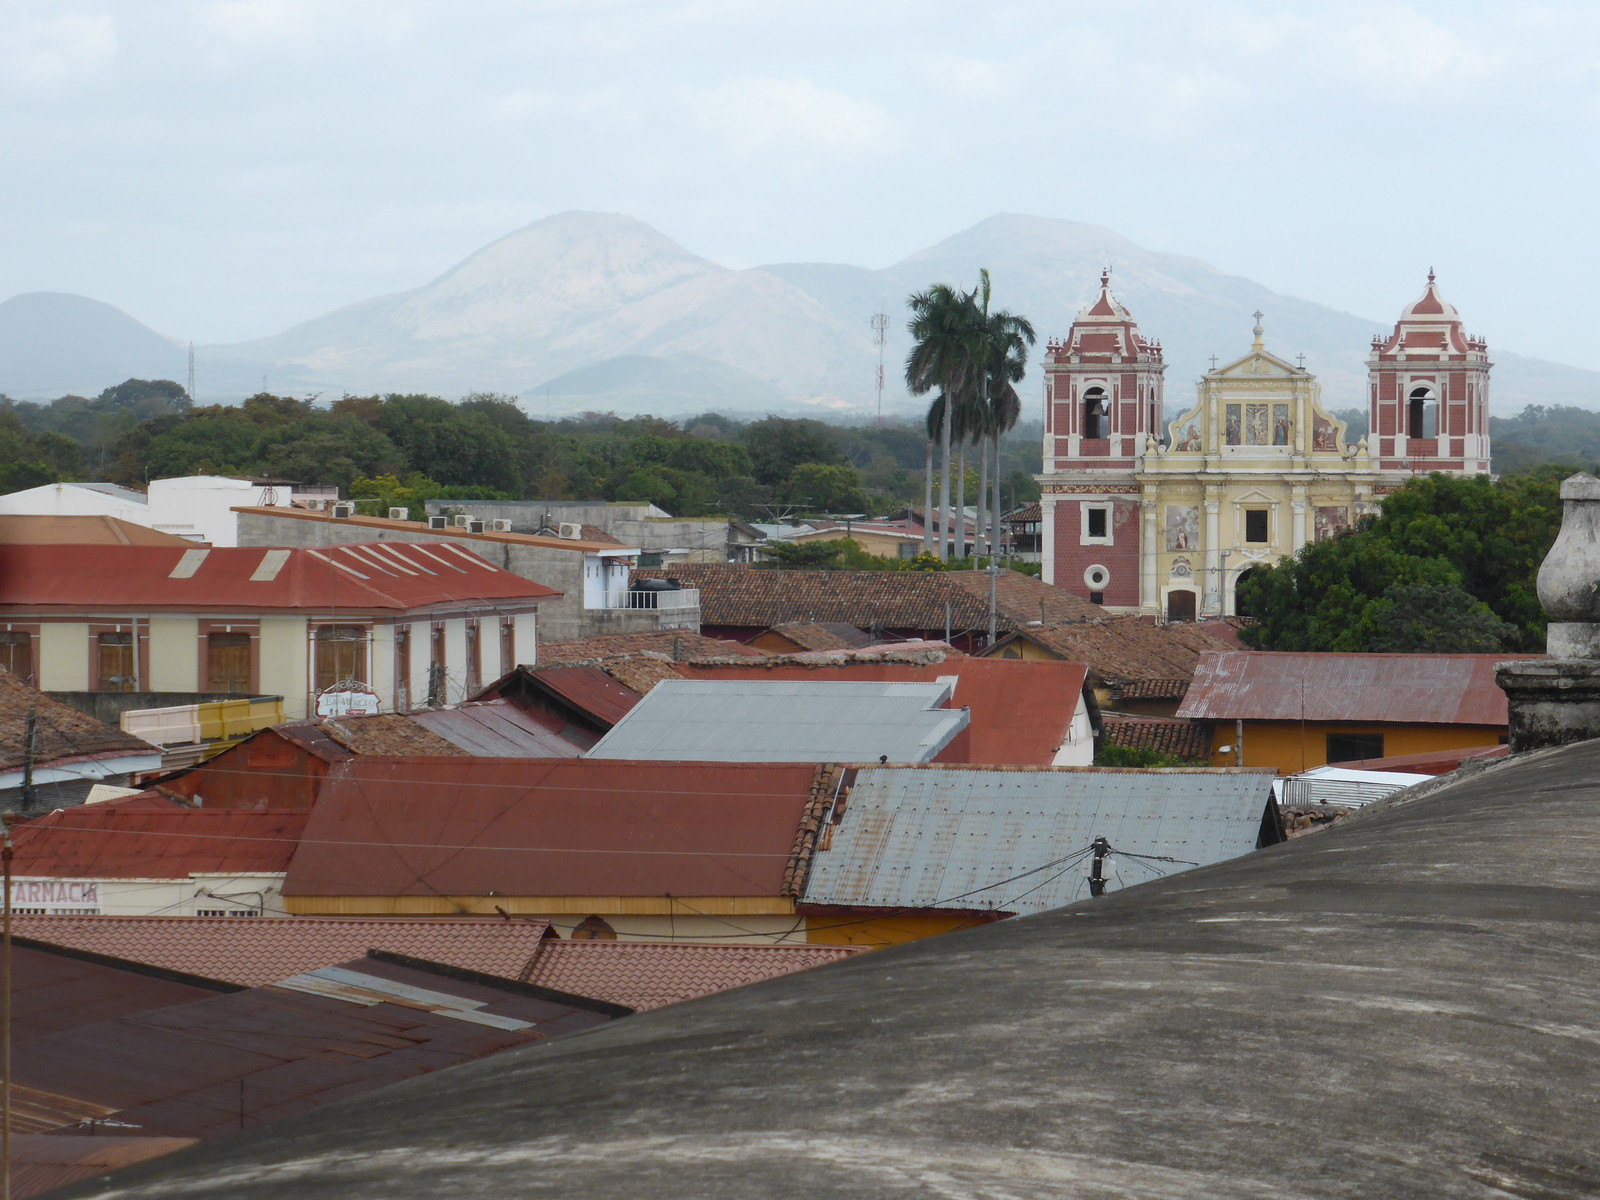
{"x": 1290, "y": 747}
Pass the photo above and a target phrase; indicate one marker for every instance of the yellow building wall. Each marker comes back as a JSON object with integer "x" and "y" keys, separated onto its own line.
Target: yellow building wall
{"x": 174, "y": 654}
{"x": 873, "y": 543}
{"x": 877, "y": 932}
{"x": 1025, "y": 650}
{"x": 1291, "y": 747}
{"x": 63, "y": 664}
{"x": 284, "y": 667}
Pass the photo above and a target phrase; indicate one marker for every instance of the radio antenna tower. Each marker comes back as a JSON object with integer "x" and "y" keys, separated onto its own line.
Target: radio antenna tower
{"x": 191, "y": 372}
{"x": 880, "y": 335}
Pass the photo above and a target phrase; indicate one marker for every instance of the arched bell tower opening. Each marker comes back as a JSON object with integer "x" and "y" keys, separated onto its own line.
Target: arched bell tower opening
{"x": 1096, "y": 421}
{"x": 1422, "y": 413}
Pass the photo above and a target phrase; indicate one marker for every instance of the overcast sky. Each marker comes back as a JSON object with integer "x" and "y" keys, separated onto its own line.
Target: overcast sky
{"x": 224, "y": 169}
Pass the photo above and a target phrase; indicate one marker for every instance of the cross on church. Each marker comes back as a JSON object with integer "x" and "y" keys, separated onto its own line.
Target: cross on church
{"x": 1258, "y": 314}
{"x": 1302, "y": 359}
{"x": 1213, "y": 362}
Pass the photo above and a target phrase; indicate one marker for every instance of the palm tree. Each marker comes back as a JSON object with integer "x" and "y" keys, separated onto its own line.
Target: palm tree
{"x": 1006, "y": 338}
{"x": 943, "y": 327}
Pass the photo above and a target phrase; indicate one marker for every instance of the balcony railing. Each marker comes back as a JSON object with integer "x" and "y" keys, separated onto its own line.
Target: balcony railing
{"x": 623, "y": 598}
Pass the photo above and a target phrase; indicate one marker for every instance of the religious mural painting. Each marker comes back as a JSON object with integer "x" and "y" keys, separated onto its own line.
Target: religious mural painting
{"x": 1323, "y": 434}
{"x": 1280, "y": 424}
{"x": 1235, "y": 426}
{"x": 1191, "y": 438}
{"x": 1329, "y": 520}
{"x": 1183, "y": 527}
{"x": 1255, "y": 424}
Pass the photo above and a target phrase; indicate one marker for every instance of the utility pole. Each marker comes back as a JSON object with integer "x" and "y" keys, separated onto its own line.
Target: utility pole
{"x": 5, "y": 1015}
{"x": 994, "y": 573}
{"x": 880, "y": 336}
{"x": 30, "y": 748}
{"x": 1097, "y": 872}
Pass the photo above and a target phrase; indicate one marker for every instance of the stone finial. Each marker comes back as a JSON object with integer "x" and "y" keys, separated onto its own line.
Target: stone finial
{"x": 1569, "y": 577}
{"x": 1556, "y": 700}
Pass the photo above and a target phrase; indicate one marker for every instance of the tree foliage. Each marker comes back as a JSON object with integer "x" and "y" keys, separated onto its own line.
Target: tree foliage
{"x": 1450, "y": 564}
{"x": 484, "y": 446}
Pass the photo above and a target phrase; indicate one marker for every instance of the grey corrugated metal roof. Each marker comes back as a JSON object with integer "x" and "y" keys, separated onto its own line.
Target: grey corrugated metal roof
{"x": 781, "y": 720}
{"x": 494, "y": 729}
{"x": 944, "y": 837}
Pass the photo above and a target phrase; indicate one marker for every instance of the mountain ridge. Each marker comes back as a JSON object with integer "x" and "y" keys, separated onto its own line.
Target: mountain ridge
{"x": 541, "y": 310}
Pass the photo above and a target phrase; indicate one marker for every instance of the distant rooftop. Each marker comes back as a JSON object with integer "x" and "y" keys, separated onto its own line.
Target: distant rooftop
{"x": 770, "y": 720}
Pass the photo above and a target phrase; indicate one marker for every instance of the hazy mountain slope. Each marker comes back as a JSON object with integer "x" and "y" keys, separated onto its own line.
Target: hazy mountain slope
{"x": 54, "y": 344}
{"x": 558, "y": 300}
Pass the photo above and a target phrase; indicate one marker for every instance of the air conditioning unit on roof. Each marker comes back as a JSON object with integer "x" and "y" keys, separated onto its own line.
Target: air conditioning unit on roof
{"x": 501, "y": 526}
{"x": 571, "y": 530}
{"x": 399, "y": 514}
{"x": 343, "y": 510}
{"x": 438, "y": 522}
{"x": 474, "y": 526}
{"x": 462, "y": 520}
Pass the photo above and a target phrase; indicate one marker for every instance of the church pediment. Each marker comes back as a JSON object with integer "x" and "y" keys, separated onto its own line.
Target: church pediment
{"x": 1259, "y": 364}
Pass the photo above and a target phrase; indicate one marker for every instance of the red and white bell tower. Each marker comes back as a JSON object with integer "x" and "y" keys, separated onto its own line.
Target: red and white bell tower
{"x": 1103, "y": 401}
{"x": 1428, "y": 387}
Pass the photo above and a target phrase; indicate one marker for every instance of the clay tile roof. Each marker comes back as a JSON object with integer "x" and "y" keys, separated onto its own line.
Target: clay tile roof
{"x": 1121, "y": 649}
{"x": 822, "y": 635}
{"x": 646, "y": 975}
{"x": 761, "y": 598}
{"x": 1150, "y": 689}
{"x": 61, "y": 733}
{"x": 1184, "y": 739}
{"x": 17, "y": 529}
{"x": 594, "y": 535}
{"x": 1024, "y": 513}
{"x": 682, "y": 645}
{"x": 386, "y": 733}
{"x": 107, "y": 841}
{"x": 253, "y": 953}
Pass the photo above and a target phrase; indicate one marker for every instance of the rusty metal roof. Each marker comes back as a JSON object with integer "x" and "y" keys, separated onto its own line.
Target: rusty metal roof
{"x": 589, "y": 689}
{"x": 1019, "y": 841}
{"x": 551, "y": 827}
{"x": 210, "y": 1066}
{"x": 103, "y": 841}
{"x": 1407, "y": 689}
{"x": 785, "y": 720}
{"x": 43, "y": 1162}
{"x": 57, "y": 991}
{"x": 1020, "y": 711}
{"x": 494, "y": 729}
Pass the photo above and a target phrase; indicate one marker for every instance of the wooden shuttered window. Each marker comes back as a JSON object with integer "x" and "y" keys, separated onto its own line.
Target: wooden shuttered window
{"x": 16, "y": 655}
{"x": 228, "y": 662}
{"x": 114, "y": 671}
{"x": 341, "y": 655}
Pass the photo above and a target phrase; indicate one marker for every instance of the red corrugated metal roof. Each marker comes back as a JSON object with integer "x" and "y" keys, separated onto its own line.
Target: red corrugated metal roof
{"x": 117, "y": 842}
{"x": 1435, "y": 762}
{"x": 209, "y": 1066}
{"x": 1020, "y": 709}
{"x": 588, "y": 689}
{"x": 375, "y": 576}
{"x": 57, "y": 992}
{"x": 1407, "y": 689}
{"x": 42, "y": 1162}
{"x": 553, "y": 827}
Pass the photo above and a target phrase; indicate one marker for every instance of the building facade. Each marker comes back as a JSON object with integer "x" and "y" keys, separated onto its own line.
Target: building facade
{"x": 1166, "y": 521}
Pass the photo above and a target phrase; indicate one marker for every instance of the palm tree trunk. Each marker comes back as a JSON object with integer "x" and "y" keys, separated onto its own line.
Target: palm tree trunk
{"x": 944, "y": 479}
{"x": 994, "y": 512}
{"x": 927, "y": 502}
{"x": 961, "y": 500}
{"x": 983, "y": 496}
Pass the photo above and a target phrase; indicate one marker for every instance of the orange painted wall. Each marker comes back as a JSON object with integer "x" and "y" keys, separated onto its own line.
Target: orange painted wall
{"x": 841, "y": 929}
{"x": 1290, "y": 746}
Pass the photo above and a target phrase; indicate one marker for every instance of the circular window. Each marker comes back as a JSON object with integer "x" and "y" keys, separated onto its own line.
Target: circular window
{"x": 1097, "y": 577}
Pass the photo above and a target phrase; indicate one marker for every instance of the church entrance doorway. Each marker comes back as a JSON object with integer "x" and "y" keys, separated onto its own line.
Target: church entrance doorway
{"x": 1180, "y": 605}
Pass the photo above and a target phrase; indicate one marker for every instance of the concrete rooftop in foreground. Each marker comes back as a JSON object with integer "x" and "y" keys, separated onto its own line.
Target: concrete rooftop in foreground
{"x": 1403, "y": 1006}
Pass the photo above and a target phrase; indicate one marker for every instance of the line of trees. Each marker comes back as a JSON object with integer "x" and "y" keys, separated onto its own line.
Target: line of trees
{"x": 406, "y": 448}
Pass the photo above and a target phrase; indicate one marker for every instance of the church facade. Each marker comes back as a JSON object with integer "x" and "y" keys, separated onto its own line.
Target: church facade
{"x": 1166, "y": 521}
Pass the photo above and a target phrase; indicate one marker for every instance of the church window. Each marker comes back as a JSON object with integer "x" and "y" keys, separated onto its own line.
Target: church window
{"x": 1096, "y": 525}
{"x": 1422, "y": 414}
{"x": 1255, "y": 525}
{"x": 1096, "y": 424}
